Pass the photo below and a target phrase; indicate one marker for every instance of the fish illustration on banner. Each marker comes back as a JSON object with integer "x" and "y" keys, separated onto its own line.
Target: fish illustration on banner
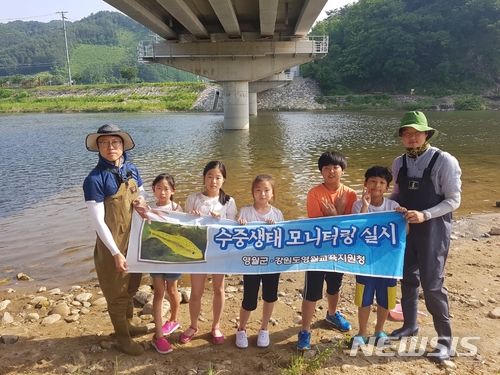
{"x": 174, "y": 242}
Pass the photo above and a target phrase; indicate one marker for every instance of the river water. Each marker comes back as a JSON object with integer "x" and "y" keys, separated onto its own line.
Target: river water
{"x": 44, "y": 228}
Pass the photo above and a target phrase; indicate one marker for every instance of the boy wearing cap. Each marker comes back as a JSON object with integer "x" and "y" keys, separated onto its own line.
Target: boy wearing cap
{"x": 428, "y": 184}
{"x": 111, "y": 190}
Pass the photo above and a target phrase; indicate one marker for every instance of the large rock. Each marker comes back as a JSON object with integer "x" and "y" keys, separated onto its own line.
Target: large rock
{"x": 495, "y": 313}
{"x": 83, "y": 297}
{"x": 4, "y": 304}
{"x": 51, "y": 319}
{"x": 40, "y": 300}
{"x": 61, "y": 309}
{"x": 143, "y": 297}
{"x": 9, "y": 339}
{"x": 495, "y": 231}
{"x": 6, "y": 318}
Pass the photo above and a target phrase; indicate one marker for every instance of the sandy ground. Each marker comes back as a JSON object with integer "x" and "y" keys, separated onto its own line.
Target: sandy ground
{"x": 87, "y": 345}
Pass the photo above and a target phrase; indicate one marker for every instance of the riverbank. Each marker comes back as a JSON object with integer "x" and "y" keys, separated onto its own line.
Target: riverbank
{"x": 67, "y": 330}
{"x": 300, "y": 94}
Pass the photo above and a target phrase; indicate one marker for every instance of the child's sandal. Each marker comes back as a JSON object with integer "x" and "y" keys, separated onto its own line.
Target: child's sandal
{"x": 217, "y": 340}
{"x": 185, "y": 338}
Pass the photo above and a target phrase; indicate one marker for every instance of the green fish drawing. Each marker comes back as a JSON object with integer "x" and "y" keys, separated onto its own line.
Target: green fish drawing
{"x": 178, "y": 244}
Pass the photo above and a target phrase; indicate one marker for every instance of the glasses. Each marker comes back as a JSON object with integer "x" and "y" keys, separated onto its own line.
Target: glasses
{"x": 407, "y": 134}
{"x": 107, "y": 144}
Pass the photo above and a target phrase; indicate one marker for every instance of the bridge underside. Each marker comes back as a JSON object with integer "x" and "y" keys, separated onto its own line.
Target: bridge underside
{"x": 235, "y": 64}
{"x": 232, "y": 42}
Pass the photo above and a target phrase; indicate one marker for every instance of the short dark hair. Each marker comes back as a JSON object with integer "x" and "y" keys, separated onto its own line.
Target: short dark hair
{"x": 332, "y": 158}
{"x": 379, "y": 171}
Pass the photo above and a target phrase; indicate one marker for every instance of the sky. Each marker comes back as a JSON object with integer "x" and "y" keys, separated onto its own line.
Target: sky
{"x": 45, "y": 10}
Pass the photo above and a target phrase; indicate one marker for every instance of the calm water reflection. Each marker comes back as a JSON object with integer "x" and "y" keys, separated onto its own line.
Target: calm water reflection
{"x": 44, "y": 228}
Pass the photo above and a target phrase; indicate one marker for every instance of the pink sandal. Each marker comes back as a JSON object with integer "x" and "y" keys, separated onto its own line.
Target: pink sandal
{"x": 217, "y": 340}
{"x": 185, "y": 338}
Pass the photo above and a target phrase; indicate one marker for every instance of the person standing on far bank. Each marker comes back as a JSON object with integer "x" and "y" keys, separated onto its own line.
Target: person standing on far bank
{"x": 428, "y": 184}
{"x": 111, "y": 191}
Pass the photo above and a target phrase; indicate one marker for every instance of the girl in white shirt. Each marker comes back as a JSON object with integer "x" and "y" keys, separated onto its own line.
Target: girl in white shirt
{"x": 260, "y": 211}
{"x": 215, "y": 202}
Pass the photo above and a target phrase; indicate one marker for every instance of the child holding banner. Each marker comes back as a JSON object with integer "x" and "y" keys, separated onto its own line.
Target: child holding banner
{"x": 215, "y": 202}
{"x": 377, "y": 180}
{"x": 331, "y": 198}
{"x": 164, "y": 189}
{"x": 260, "y": 211}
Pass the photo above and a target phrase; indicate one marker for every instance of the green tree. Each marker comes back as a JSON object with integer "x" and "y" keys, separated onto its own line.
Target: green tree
{"x": 129, "y": 72}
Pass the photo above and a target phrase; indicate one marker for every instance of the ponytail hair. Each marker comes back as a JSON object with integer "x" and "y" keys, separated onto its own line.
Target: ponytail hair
{"x": 223, "y": 197}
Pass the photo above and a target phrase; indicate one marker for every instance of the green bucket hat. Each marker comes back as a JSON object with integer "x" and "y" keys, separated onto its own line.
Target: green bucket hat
{"x": 417, "y": 121}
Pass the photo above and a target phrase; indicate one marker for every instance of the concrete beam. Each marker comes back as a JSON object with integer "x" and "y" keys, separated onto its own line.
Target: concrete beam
{"x": 259, "y": 86}
{"x": 268, "y": 9}
{"x": 227, "y": 17}
{"x": 237, "y": 61}
{"x": 182, "y": 13}
{"x": 142, "y": 15}
{"x": 235, "y": 49}
{"x": 308, "y": 16}
{"x": 241, "y": 69}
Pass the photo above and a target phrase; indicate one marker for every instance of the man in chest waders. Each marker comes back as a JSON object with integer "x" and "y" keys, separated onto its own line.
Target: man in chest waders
{"x": 428, "y": 184}
{"x": 111, "y": 190}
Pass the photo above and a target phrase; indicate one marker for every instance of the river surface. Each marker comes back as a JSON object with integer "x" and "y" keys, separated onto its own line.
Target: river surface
{"x": 44, "y": 227}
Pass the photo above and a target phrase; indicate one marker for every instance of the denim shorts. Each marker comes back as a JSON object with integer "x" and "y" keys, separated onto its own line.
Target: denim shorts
{"x": 167, "y": 276}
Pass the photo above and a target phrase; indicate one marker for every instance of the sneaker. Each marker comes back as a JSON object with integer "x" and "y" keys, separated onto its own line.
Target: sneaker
{"x": 241, "y": 339}
{"x": 263, "y": 339}
{"x": 169, "y": 327}
{"x": 304, "y": 340}
{"x": 161, "y": 345}
{"x": 338, "y": 321}
{"x": 381, "y": 339}
{"x": 356, "y": 341}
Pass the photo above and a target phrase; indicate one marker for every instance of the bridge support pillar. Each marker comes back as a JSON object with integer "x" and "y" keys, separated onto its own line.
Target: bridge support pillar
{"x": 252, "y": 103}
{"x": 236, "y": 112}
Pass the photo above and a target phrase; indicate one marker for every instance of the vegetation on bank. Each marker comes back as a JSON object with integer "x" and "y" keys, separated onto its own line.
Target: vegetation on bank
{"x": 102, "y": 49}
{"x": 387, "y": 102}
{"x": 181, "y": 96}
{"x": 173, "y": 96}
{"x": 439, "y": 48}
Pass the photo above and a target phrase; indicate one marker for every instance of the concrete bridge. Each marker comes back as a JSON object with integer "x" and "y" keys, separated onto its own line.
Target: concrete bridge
{"x": 244, "y": 45}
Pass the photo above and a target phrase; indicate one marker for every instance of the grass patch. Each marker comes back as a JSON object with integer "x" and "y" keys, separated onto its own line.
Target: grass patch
{"x": 172, "y": 96}
{"x": 302, "y": 366}
{"x": 470, "y": 103}
{"x": 358, "y": 102}
{"x": 422, "y": 104}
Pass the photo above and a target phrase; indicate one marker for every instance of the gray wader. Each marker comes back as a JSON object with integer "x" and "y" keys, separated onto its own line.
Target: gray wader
{"x": 119, "y": 288}
{"x": 427, "y": 247}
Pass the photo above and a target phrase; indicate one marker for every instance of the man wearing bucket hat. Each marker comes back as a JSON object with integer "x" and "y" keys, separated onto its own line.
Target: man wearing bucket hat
{"x": 111, "y": 190}
{"x": 428, "y": 184}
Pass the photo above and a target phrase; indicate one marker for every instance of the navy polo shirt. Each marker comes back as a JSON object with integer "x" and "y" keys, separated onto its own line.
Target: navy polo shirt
{"x": 102, "y": 182}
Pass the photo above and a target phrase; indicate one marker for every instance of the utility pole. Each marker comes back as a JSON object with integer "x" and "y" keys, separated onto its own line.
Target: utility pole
{"x": 67, "y": 52}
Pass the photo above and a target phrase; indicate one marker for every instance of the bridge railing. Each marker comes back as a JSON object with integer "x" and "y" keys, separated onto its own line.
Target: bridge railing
{"x": 150, "y": 49}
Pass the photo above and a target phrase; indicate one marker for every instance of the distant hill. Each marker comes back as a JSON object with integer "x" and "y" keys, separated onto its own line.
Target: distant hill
{"x": 99, "y": 47}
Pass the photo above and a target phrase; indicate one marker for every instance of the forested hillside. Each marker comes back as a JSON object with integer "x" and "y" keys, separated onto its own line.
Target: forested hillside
{"x": 102, "y": 49}
{"x": 437, "y": 47}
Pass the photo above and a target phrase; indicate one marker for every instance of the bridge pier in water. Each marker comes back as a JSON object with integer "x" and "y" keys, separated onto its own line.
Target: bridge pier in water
{"x": 236, "y": 112}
